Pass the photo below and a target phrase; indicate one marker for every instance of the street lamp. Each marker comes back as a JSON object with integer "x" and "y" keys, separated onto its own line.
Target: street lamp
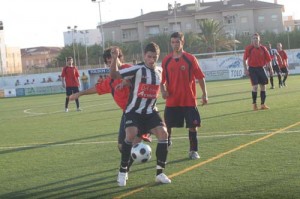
{"x": 85, "y": 43}
{"x": 288, "y": 36}
{"x": 100, "y": 25}
{"x": 170, "y": 8}
{"x": 74, "y": 29}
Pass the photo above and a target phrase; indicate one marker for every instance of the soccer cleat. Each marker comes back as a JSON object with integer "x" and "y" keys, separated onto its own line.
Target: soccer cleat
{"x": 283, "y": 84}
{"x": 78, "y": 109}
{"x": 146, "y": 137}
{"x": 122, "y": 177}
{"x": 193, "y": 155}
{"x": 255, "y": 107}
{"x": 264, "y": 107}
{"x": 162, "y": 178}
{"x": 66, "y": 110}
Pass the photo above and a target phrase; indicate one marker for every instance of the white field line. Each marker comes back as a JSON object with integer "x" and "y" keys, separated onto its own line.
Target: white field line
{"x": 32, "y": 113}
{"x": 52, "y": 144}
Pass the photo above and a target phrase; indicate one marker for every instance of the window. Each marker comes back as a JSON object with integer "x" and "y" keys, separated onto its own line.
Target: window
{"x": 188, "y": 26}
{"x": 175, "y": 27}
{"x": 229, "y": 19}
{"x": 275, "y": 31}
{"x": 244, "y": 19}
{"x": 246, "y": 33}
{"x": 261, "y": 19}
{"x": 153, "y": 30}
{"x": 274, "y": 18}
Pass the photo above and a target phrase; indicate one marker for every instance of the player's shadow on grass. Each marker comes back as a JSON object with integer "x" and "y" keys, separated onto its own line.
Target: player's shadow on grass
{"x": 38, "y": 146}
{"x": 92, "y": 185}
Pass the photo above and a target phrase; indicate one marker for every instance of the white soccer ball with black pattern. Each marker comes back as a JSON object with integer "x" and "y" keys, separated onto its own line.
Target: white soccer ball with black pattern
{"x": 141, "y": 152}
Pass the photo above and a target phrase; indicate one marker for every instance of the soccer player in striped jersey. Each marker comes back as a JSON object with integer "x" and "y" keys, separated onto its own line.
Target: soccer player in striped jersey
{"x": 141, "y": 112}
{"x": 180, "y": 72}
{"x": 119, "y": 91}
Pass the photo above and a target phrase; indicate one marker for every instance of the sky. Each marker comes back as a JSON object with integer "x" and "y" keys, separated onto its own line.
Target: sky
{"x": 32, "y": 23}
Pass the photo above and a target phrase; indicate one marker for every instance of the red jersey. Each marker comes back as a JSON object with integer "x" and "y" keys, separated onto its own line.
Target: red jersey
{"x": 284, "y": 58}
{"x": 179, "y": 76}
{"x": 257, "y": 57}
{"x": 71, "y": 75}
{"x": 108, "y": 86}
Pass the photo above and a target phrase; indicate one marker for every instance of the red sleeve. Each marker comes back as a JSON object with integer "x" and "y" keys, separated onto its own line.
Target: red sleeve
{"x": 246, "y": 53}
{"x": 103, "y": 87}
{"x": 197, "y": 71}
{"x": 76, "y": 72}
{"x": 163, "y": 65}
{"x": 63, "y": 72}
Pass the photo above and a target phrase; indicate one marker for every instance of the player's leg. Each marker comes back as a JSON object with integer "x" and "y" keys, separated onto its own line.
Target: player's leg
{"x": 68, "y": 93}
{"x": 131, "y": 130}
{"x": 76, "y": 90}
{"x": 254, "y": 82}
{"x": 192, "y": 118}
{"x": 173, "y": 117}
{"x": 161, "y": 152}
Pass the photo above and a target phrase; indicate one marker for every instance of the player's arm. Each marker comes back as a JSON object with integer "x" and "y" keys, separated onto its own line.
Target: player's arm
{"x": 164, "y": 91}
{"x": 123, "y": 84}
{"x": 63, "y": 82}
{"x": 204, "y": 91}
{"x": 245, "y": 62}
{"x": 114, "y": 71}
{"x": 89, "y": 91}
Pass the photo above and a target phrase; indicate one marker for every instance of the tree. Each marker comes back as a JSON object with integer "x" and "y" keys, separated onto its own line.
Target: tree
{"x": 213, "y": 37}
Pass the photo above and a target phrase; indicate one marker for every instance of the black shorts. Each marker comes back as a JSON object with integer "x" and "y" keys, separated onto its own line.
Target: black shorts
{"x": 175, "y": 116}
{"x": 71, "y": 90}
{"x": 276, "y": 68}
{"x": 284, "y": 70}
{"x": 144, "y": 122}
{"x": 258, "y": 75}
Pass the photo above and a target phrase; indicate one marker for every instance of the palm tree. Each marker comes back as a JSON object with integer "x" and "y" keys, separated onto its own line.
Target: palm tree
{"x": 213, "y": 37}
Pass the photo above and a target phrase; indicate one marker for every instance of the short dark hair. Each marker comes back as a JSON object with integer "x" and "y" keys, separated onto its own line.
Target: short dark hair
{"x": 152, "y": 47}
{"x": 179, "y": 35}
{"x": 256, "y": 34}
{"x": 107, "y": 54}
{"x": 68, "y": 58}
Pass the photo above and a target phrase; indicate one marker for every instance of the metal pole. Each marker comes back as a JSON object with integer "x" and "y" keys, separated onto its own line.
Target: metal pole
{"x": 100, "y": 26}
{"x": 73, "y": 43}
{"x": 288, "y": 36}
{"x": 74, "y": 54}
{"x": 175, "y": 9}
{"x": 86, "y": 52}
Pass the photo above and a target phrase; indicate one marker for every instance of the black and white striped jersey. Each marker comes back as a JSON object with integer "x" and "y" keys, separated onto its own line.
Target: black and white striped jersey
{"x": 144, "y": 89}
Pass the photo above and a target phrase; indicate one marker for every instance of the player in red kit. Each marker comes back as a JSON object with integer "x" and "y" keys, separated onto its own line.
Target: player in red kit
{"x": 284, "y": 63}
{"x": 70, "y": 81}
{"x": 181, "y": 70}
{"x": 256, "y": 58}
{"x": 118, "y": 89}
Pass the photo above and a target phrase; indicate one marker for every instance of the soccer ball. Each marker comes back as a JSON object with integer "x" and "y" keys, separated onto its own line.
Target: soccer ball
{"x": 141, "y": 152}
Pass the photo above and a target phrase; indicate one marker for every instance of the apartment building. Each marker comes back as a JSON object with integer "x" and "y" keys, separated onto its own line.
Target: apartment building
{"x": 13, "y": 60}
{"x": 39, "y": 57}
{"x": 237, "y": 16}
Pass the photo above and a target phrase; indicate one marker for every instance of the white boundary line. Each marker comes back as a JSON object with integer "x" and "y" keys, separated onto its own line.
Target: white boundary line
{"x": 53, "y": 144}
